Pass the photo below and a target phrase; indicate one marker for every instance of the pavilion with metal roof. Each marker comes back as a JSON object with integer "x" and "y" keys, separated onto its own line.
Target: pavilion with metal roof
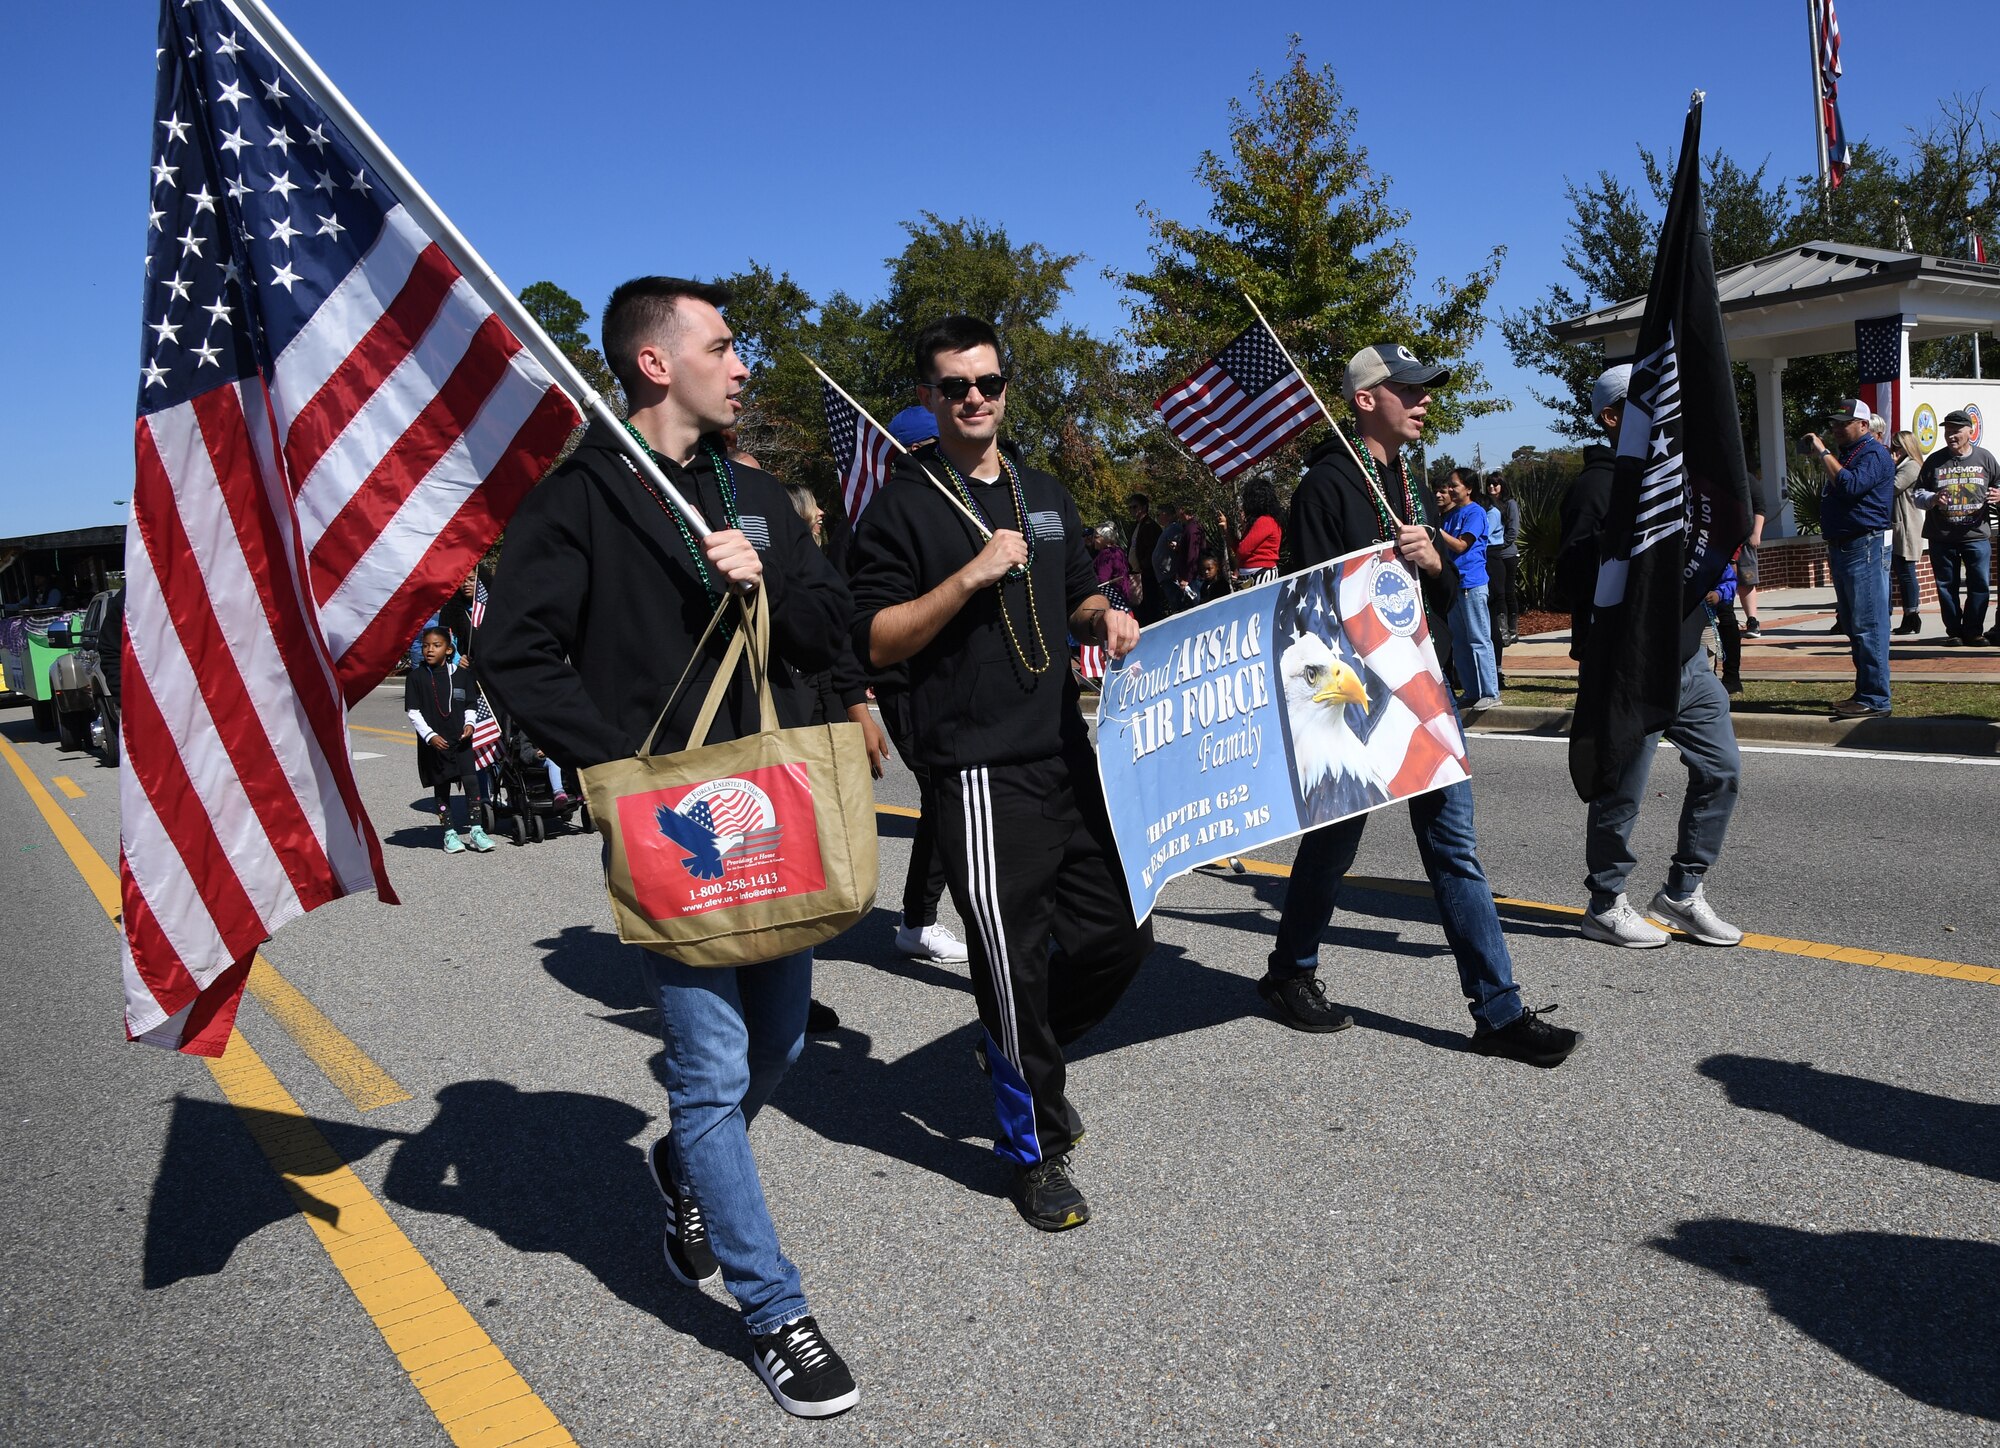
{"x": 1805, "y": 302}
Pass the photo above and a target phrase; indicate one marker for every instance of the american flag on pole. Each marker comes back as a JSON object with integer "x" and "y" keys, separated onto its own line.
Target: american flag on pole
{"x": 331, "y": 429}
{"x": 1241, "y": 407}
{"x": 1826, "y": 30}
{"x": 862, "y": 450}
{"x": 1878, "y": 354}
{"x": 485, "y": 728}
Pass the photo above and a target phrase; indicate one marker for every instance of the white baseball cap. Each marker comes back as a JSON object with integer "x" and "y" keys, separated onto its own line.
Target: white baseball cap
{"x": 1610, "y": 387}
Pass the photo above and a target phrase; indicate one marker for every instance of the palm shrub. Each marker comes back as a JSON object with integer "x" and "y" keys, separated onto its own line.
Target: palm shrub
{"x": 1802, "y": 491}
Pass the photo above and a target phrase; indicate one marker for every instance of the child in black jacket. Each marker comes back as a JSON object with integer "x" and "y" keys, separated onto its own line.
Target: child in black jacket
{"x": 439, "y": 699}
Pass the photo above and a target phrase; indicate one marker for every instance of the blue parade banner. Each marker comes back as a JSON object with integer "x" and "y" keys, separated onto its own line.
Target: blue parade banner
{"x": 1273, "y": 711}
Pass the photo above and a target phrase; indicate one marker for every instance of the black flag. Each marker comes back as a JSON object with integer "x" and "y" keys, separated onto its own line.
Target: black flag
{"x": 1680, "y": 499}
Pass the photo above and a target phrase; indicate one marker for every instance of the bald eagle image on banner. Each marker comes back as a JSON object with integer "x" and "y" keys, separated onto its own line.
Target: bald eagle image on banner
{"x": 1270, "y": 712}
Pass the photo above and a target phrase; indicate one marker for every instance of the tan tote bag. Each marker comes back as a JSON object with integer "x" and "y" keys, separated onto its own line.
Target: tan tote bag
{"x": 732, "y": 854}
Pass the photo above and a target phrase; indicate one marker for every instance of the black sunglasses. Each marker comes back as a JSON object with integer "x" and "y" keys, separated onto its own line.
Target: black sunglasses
{"x": 955, "y": 389}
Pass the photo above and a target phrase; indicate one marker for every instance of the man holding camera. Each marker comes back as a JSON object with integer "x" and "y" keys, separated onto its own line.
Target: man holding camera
{"x": 1857, "y": 504}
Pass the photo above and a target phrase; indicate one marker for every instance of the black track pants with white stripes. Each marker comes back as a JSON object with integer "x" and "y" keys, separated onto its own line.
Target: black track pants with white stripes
{"x": 1029, "y": 853}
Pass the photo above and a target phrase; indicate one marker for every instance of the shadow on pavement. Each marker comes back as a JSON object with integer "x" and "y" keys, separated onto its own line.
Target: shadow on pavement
{"x": 1916, "y": 1312}
{"x": 544, "y": 1171}
{"x": 1919, "y": 1126}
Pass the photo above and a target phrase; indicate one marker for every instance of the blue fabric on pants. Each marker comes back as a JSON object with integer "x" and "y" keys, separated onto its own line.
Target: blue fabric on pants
{"x": 1472, "y": 647}
{"x": 1442, "y": 823}
{"x": 1907, "y": 586}
{"x": 730, "y": 1033}
{"x": 1860, "y": 569}
{"x": 1973, "y": 559}
{"x": 1702, "y": 732}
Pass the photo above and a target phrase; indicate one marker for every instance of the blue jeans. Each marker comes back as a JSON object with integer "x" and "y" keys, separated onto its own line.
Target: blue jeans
{"x": 1472, "y": 646}
{"x": 1442, "y": 822}
{"x": 730, "y": 1032}
{"x": 1973, "y": 558}
{"x": 1701, "y": 730}
{"x": 1907, "y": 586}
{"x": 1860, "y": 569}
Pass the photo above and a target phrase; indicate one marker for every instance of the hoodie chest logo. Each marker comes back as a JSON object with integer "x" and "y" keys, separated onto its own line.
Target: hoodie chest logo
{"x": 1047, "y": 524}
{"x": 757, "y": 529}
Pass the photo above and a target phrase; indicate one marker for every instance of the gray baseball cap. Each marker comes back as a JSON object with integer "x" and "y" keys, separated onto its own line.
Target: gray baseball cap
{"x": 1389, "y": 362}
{"x": 1610, "y": 388}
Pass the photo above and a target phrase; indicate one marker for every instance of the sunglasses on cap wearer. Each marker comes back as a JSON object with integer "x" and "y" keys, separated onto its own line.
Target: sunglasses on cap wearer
{"x": 956, "y": 389}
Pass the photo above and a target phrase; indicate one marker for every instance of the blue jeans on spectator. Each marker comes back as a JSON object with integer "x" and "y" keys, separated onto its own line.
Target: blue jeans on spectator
{"x": 1472, "y": 647}
{"x": 1860, "y": 569}
{"x": 730, "y": 1033}
{"x": 1701, "y": 730}
{"x": 1442, "y": 822}
{"x": 1973, "y": 557}
{"x": 1908, "y": 589}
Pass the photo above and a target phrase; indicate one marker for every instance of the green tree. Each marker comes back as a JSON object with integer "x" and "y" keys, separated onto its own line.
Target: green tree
{"x": 563, "y": 317}
{"x": 1301, "y": 221}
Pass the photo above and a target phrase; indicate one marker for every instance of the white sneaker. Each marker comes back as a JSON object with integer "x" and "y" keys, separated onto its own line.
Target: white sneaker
{"x": 1696, "y": 917}
{"x": 932, "y": 942}
{"x": 1622, "y": 925}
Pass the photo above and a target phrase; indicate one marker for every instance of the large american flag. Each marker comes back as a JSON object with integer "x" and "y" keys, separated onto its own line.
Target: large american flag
{"x": 1240, "y": 408}
{"x": 862, "y": 450}
{"x": 331, "y": 429}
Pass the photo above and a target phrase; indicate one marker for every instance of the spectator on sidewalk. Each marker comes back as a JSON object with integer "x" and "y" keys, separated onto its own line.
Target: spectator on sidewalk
{"x": 1701, "y": 732}
{"x": 1173, "y": 560}
{"x": 1462, "y": 534}
{"x": 1107, "y": 558}
{"x": 1496, "y": 574}
{"x": 1149, "y": 605}
{"x": 1761, "y": 507}
{"x": 1508, "y": 593}
{"x": 1721, "y": 603}
{"x": 1909, "y": 530}
{"x": 1857, "y": 498}
{"x": 1256, "y": 544}
{"x": 1959, "y": 486}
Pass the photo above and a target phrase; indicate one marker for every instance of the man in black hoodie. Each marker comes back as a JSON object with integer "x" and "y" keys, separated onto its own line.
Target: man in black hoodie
{"x": 1021, "y": 819}
{"x": 603, "y": 594}
{"x": 1702, "y": 733}
{"x": 1357, "y": 498}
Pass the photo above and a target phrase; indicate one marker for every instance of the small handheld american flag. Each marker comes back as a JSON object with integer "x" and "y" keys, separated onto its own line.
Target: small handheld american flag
{"x": 862, "y": 450}
{"x": 1242, "y": 407}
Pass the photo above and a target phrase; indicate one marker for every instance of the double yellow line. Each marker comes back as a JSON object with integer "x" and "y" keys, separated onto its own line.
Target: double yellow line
{"x": 479, "y": 1398}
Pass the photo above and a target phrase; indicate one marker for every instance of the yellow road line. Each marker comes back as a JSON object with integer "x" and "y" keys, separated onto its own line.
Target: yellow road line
{"x": 403, "y": 734}
{"x": 477, "y": 1395}
{"x": 67, "y": 785}
{"x": 346, "y": 1065}
{"x": 1812, "y": 949}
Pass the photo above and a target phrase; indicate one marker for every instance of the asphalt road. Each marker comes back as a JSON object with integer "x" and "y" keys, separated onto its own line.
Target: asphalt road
{"x": 1758, "y": 1204}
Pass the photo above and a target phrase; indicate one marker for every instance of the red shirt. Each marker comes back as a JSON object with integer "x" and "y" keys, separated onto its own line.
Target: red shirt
{"x": 1259, "y": 548}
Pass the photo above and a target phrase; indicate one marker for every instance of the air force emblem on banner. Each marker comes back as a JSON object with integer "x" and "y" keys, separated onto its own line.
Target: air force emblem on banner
{"x": 1394, "y": 598}
{"x": 724, "y": 820}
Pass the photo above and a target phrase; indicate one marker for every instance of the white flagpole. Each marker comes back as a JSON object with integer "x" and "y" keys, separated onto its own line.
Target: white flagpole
{"x": 1819, "y": 109}
{"x": 270, "y": 31}
{"x": 1366, "y": 472}
{"x": 950, "y": 496}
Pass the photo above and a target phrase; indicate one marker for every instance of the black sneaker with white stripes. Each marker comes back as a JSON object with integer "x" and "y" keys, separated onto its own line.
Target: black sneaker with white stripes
{"x": 685, "y": 1245}
{"x": 803, "y": 1372}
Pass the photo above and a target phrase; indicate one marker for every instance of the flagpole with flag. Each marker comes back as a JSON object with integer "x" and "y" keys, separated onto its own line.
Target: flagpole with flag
{"x": 1680, "y": 496}
{"x": 837, "y": 393}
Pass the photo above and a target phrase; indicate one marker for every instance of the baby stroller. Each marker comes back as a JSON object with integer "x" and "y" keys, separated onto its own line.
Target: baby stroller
{"x": 524, "y": 790}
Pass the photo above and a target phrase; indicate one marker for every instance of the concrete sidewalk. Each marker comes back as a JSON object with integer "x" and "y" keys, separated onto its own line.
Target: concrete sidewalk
{"x": 1796, "y": 644}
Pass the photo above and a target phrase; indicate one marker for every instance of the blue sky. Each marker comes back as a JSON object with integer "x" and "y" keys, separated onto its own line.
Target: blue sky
{"x": 584, "y": 142}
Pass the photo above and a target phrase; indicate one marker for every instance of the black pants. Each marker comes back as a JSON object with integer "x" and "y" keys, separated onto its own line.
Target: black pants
{"x": 923, "y": 887}
{"x": 452, "y": 812}
{"x": 1031, "y": 859}
{"x": 1730, "y": 636}
{"x": 1502, "y": 606}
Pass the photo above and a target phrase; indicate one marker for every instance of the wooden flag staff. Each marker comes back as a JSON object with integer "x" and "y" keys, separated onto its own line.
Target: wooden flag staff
{"x": 1366, "y": 471}
{"x": 257, "y": 17}
{"x": 950, "y": 497}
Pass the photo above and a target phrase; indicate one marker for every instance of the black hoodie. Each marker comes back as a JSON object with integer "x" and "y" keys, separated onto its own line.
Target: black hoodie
{"x": 598, "y": 603}
{"x": 1584, "y": 508}
{"x": 972, "y": 702}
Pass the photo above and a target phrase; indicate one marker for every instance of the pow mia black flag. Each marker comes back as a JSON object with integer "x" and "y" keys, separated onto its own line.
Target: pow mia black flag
{"x": 1680, "y": 498}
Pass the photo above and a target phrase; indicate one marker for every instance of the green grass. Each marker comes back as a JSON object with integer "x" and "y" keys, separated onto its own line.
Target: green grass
{"x": 1811, "y": 697}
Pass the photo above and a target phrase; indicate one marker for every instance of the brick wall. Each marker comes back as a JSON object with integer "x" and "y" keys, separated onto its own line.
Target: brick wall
{"x": 1801, "y": 563}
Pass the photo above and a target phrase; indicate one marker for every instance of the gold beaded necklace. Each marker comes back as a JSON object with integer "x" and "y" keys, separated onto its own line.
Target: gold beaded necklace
{"x": 1027, "y": 575}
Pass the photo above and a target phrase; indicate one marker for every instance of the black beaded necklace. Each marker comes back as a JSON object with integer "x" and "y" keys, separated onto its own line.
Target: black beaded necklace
{"x": 1026, "y": 575}
{"x": 725, "y": 477}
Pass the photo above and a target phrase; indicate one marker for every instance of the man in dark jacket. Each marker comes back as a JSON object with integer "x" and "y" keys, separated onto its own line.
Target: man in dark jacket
{"x": 1022, "y": 823}
{"x": 1702, "y": 732}
{"x": 603, "y": 594}
{"x": 1856, "y": 509}
{"x": 1337, "y": 509}
{"x": 1151, "y": 603}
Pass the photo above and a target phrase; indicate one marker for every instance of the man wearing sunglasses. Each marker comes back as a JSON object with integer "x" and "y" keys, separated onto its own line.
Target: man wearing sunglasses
{"x": 981, "y": 611}
{"x": 1340, "y": 507}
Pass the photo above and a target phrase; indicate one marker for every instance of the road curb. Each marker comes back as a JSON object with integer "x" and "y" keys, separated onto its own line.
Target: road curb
{"x": 1975, "y": 737}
